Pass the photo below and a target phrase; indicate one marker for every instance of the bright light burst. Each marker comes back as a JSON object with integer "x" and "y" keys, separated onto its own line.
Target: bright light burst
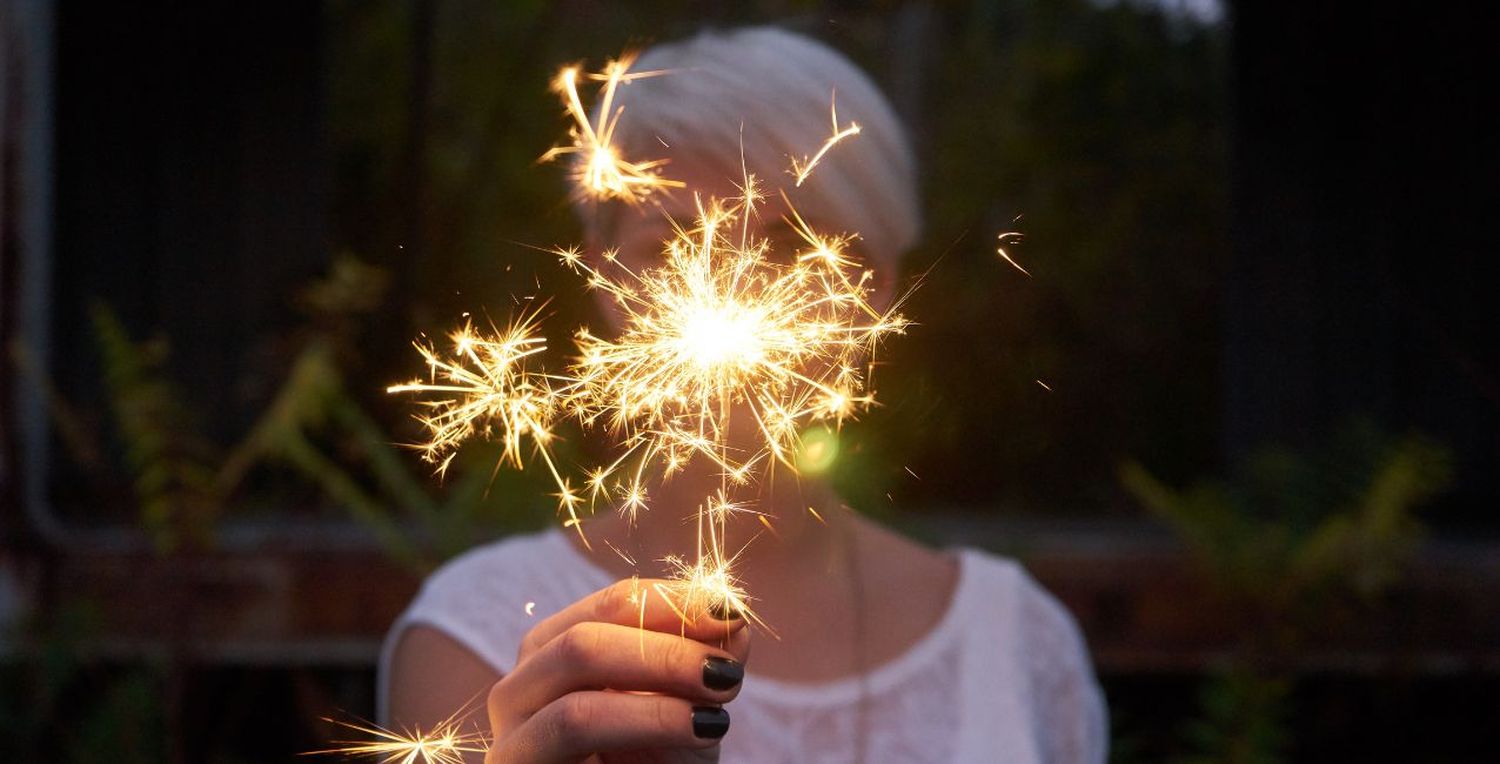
{"x": 446, "y": 743}
{"x": 726, "y": 327}
{"x": 601, "y": 172}
{"x": 484, "y": 388}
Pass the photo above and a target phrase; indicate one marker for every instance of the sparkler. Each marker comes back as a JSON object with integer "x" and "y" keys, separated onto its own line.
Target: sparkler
{"x": 726, "y": 329}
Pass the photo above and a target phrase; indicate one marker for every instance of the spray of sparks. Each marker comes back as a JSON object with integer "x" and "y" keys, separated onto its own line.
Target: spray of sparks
{"x": 448, "y": 742}
{"x": 601, "y": 172}
{"x": 725, "y": 328}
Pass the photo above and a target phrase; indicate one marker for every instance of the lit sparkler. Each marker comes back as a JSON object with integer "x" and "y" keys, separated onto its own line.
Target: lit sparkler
{"x": 729, "y": 349}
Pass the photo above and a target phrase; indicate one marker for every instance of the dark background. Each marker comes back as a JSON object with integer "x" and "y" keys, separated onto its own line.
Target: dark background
{"x": 1254, "y": 229}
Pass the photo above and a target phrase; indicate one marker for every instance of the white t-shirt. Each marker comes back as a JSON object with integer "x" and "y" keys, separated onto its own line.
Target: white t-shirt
{"x": 1003, "y": 677}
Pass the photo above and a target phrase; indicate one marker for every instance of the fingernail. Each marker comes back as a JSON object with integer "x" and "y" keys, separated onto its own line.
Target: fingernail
{"x": 722, "y": 673}
{"x": 723, "y": 611}
{"x": 710, "y": 722}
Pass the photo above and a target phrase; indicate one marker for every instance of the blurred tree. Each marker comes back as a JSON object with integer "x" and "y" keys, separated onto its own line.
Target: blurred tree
{"x": 1297, "y": 542}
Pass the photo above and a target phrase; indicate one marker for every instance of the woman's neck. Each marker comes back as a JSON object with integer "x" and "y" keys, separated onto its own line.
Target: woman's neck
{"x": 773, "y": 533}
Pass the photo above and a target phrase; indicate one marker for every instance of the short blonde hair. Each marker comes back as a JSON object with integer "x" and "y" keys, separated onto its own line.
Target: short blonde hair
{"x": 766, "y": 92}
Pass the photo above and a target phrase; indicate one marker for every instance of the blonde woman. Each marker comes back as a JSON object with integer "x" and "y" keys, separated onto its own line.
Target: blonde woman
{"x": 888, "y": 651}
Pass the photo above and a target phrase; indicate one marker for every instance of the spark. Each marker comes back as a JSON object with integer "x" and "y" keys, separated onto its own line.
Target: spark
{"x": 1044, "y": 385}
{"x": 1006, "y": 239}
{"x": 485, "y": 388}
{"x": 601, "y": 172}
{"x": 803, "y": 169}
{"x": 446, "y": 743}
{"x": 531, "y": 608}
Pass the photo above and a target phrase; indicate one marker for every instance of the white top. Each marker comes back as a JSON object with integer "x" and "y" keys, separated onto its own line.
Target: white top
{"x": 1003, "y": 677}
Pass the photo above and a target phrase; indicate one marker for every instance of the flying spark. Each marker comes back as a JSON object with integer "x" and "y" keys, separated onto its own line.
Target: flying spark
{"x": 601, "y": 173}
{"x": 1006, "y": 239}
{"x": 446, "y": 743}
{"x": 803, "y": 169}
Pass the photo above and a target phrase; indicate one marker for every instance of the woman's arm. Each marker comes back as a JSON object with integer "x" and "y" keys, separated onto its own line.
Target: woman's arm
{"x": 432, "y": 676}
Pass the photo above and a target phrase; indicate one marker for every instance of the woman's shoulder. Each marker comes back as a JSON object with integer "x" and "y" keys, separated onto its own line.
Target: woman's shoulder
{"x": 488, "y": 597}
{"x": 1004, "y": 589}
{"x": 1047, "y": 651}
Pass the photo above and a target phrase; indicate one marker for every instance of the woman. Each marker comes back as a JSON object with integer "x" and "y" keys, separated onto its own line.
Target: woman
{"x": 885, "y": 650}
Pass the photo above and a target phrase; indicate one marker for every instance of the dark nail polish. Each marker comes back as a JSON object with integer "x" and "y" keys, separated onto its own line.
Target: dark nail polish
{"x": 722, "y": 673}
{"x": 710, "y": 722}
{"x": 723, "y": 611}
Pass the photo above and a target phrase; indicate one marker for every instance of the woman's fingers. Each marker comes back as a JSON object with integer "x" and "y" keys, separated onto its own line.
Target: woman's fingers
{"x": 599, "y": 656}
{"x": 583, "y": 723}
{"x": 641, "y": 603}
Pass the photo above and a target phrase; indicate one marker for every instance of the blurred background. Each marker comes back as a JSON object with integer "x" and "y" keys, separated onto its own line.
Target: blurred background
{"x": 1243, "y": 418}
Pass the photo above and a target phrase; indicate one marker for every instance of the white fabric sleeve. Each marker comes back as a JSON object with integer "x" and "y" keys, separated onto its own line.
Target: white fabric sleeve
{"x": 1069, "y": 711}
{"x": 488, "y": 598}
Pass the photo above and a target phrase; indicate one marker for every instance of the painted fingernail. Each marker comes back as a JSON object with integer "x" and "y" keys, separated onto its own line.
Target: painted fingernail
{"x": 722, "y": 673}
{"x": 723, "y": 611}
{"x": 710, "y": 722}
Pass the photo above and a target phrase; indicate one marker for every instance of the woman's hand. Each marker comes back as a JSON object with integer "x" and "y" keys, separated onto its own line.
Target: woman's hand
{"x": 605, "y": 676}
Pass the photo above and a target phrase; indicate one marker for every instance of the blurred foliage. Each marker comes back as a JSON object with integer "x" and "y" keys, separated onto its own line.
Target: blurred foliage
{"x": 166, "y": 457}
{"x": 59, "y": 703}
{"x": 313, "y": 427}
{"x": 1297, "y": 542}
{"x": 1293, "y": 529}
{"x": 59, "y": 707}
